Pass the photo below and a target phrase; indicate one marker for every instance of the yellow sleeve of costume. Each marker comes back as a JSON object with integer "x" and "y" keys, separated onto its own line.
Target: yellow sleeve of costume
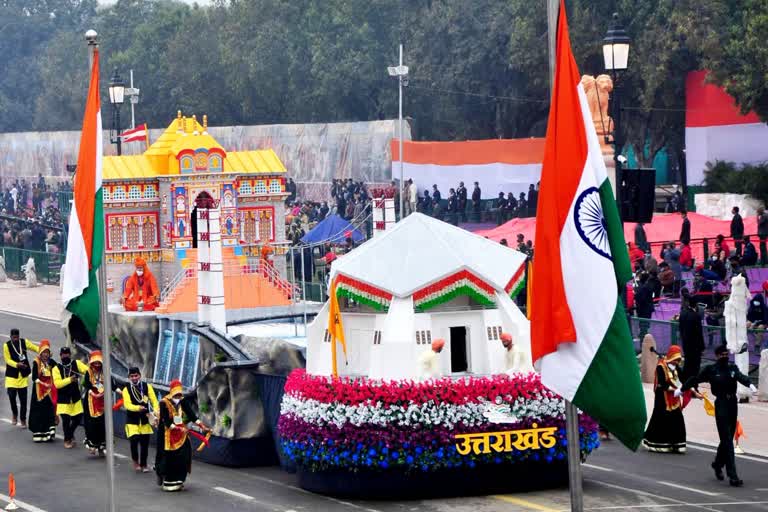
{"x": 7, "y": 355}
{"x": 153, "y": 398}
{"x": 58, "y": 381}
{"x": 129, "y": 406}
{"x": 31, "y": 346}
{"x": 81, "y": 367}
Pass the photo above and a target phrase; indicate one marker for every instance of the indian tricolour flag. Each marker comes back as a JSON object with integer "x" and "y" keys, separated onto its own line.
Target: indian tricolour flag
{"x": 86, "y": 223}
{"x": 579, "y": 331}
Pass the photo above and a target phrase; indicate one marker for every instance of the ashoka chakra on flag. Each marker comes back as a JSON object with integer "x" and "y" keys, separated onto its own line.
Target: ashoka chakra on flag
{"x": 590, "y": 221}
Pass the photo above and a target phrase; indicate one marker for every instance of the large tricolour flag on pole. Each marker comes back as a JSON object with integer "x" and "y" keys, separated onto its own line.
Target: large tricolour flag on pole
{"x": 85, "y": 246}
{"x": 579, "y": 331}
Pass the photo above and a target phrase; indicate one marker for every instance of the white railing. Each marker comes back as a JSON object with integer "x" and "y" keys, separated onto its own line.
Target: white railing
{"x": 176, "y": 281}
{"x": 235, "y": 268}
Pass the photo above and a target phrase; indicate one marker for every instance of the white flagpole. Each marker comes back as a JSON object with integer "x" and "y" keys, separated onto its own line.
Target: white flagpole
{"x": 575, "y": 483}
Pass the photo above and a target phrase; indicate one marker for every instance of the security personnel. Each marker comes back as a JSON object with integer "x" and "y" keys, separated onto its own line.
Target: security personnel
{"x": 139, "y": 400}
{"x": 17, "y": 370}
{"x": 722, "y": 377}
{"x": 69, "y": 405}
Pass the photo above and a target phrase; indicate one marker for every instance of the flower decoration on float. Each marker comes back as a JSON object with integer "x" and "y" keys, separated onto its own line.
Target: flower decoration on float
{"x": 360, "y": 424}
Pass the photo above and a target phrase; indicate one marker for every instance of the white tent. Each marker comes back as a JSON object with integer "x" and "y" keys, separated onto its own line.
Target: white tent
{"x": 421, "y": 250}
{"x": 424, "y": 279}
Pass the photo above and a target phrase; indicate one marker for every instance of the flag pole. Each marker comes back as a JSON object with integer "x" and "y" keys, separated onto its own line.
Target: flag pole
{"x": 107, "y": 366}
{"x": 575, "y": 483}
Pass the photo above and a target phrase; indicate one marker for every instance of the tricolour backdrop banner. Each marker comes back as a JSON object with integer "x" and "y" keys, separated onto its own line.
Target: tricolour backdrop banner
{"x": 499, "y": 165}
{"x": 716, "y": 130}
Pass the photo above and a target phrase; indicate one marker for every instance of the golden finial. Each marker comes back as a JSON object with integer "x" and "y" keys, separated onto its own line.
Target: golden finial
{"x": 184, "y": 125}
{"x": 205, "y": 123}
{"x": 194, "y": 125}
{"x": 179, "y": 122}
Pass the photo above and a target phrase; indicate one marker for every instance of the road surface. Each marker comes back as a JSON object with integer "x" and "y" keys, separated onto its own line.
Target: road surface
{"x": 52, "y": 479}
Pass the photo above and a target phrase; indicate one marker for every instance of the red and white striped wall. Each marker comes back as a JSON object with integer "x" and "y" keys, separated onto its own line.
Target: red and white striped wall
{"x": 716, "y": 130}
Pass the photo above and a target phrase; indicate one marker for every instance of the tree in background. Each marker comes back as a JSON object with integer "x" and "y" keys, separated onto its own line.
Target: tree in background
{"x": 478, "y": 69}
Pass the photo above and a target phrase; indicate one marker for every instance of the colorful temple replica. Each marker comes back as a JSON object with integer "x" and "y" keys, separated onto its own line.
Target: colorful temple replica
{"x": 430, "y": 391}
{"x": 150, "y": 202}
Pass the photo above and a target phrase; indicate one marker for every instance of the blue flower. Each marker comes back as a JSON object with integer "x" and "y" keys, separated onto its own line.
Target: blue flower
{"x": 395, "y": 455}
{"x": 497, "y": 460}
{"x": 535, "y": 456}
{"x": 406, "y": 445}
{"x": 560, "y": 456}
{"x": 424, "y": 467}
{"x": 385, "y": 450}
{"x": 419, "y": 450}
{"x": 409, "y": 459}
{"x": 355, "y": 457}
{"x": 336, "y": 459}
{"x": 549, "y": 458}
{"x": 371, "y": 452}
{"x": 359, "y": 446}
{"x": 471, "y": 463}
{"x": 384, "y": 464}
{"x": 330, "y": 442}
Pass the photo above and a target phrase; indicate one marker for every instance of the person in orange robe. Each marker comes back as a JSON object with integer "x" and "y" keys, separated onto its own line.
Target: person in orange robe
{"x": 141, "y": 288}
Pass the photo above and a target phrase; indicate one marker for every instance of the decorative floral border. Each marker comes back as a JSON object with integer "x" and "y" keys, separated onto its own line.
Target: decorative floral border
{"x": 362, "y": 293}
{"x": 517, "y": 283}
{"x": 362, "y": 424}
{"x": 461, "y": 283}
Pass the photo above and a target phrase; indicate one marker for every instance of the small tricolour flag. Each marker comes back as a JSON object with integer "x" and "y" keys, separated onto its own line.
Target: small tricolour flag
{"x": 86, "y": 223}
{"x": 134, "y": 134}
{"x": 579, "y": 331}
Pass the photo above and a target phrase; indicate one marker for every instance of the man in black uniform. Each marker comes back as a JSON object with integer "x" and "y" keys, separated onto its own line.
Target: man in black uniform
{"x": 722, "y": 377}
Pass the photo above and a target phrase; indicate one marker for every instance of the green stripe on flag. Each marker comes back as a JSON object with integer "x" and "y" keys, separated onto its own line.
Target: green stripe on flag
{"x": 86, "y": 306}
{"x": 621, "y": 264}
{"x": 611, "y": 391}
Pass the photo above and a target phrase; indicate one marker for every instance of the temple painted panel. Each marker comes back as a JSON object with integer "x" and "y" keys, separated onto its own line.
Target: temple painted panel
{"x": 132, "y": 231}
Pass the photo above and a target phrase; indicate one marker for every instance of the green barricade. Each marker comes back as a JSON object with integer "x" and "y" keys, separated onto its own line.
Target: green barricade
{"x": 47, "y": 265}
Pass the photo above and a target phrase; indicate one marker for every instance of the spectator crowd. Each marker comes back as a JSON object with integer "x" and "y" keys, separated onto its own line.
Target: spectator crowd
{"x": 30, "y": 218}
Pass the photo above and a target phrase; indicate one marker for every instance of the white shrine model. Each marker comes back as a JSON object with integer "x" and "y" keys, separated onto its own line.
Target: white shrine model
{"x": 423, "y": 280}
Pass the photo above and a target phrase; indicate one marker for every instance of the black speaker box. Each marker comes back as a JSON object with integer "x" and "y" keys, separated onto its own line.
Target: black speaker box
{"x": 638, "y": 195}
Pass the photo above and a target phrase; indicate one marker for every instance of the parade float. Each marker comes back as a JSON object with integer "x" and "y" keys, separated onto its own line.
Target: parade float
{"x": 362, "y": 421}
{"x": 206, "y": 227}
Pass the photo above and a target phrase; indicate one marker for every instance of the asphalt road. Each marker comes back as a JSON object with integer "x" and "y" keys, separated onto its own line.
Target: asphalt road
{"x": 50, "y": 478}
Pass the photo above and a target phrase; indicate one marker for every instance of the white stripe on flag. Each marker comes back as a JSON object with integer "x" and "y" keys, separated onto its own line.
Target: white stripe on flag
{"x": 76, "y": 271}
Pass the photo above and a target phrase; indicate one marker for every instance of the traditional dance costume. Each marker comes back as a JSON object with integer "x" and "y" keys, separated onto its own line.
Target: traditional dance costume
{"x": 137, "y": 424}
{"x": 666, "y": 430}
{"x": 66, "y": 378}
{"x": 93, "y": 405}
{"x": 17, "y": 375}
{"x": 173, "y": 460}
{"x": 42, "y": 409}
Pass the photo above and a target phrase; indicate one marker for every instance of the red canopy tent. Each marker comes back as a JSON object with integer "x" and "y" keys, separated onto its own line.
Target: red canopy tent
{"x": 664, "y": 228}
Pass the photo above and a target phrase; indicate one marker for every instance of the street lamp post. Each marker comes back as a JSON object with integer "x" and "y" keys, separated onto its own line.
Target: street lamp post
{"x": 116, "y": 98}
{"x": 616, "y": 56}
{"x": 401, "y": 72}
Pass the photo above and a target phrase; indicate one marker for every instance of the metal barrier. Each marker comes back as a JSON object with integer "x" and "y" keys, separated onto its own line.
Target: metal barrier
{"x": 47, "y": 264}
{"x": 64, "y": 202}
{"x": 668, "y": 333}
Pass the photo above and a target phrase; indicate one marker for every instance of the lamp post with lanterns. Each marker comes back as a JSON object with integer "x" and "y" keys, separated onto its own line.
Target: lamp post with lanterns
{"x": 116, "y": 98}
{"x": 616, "y": 56}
